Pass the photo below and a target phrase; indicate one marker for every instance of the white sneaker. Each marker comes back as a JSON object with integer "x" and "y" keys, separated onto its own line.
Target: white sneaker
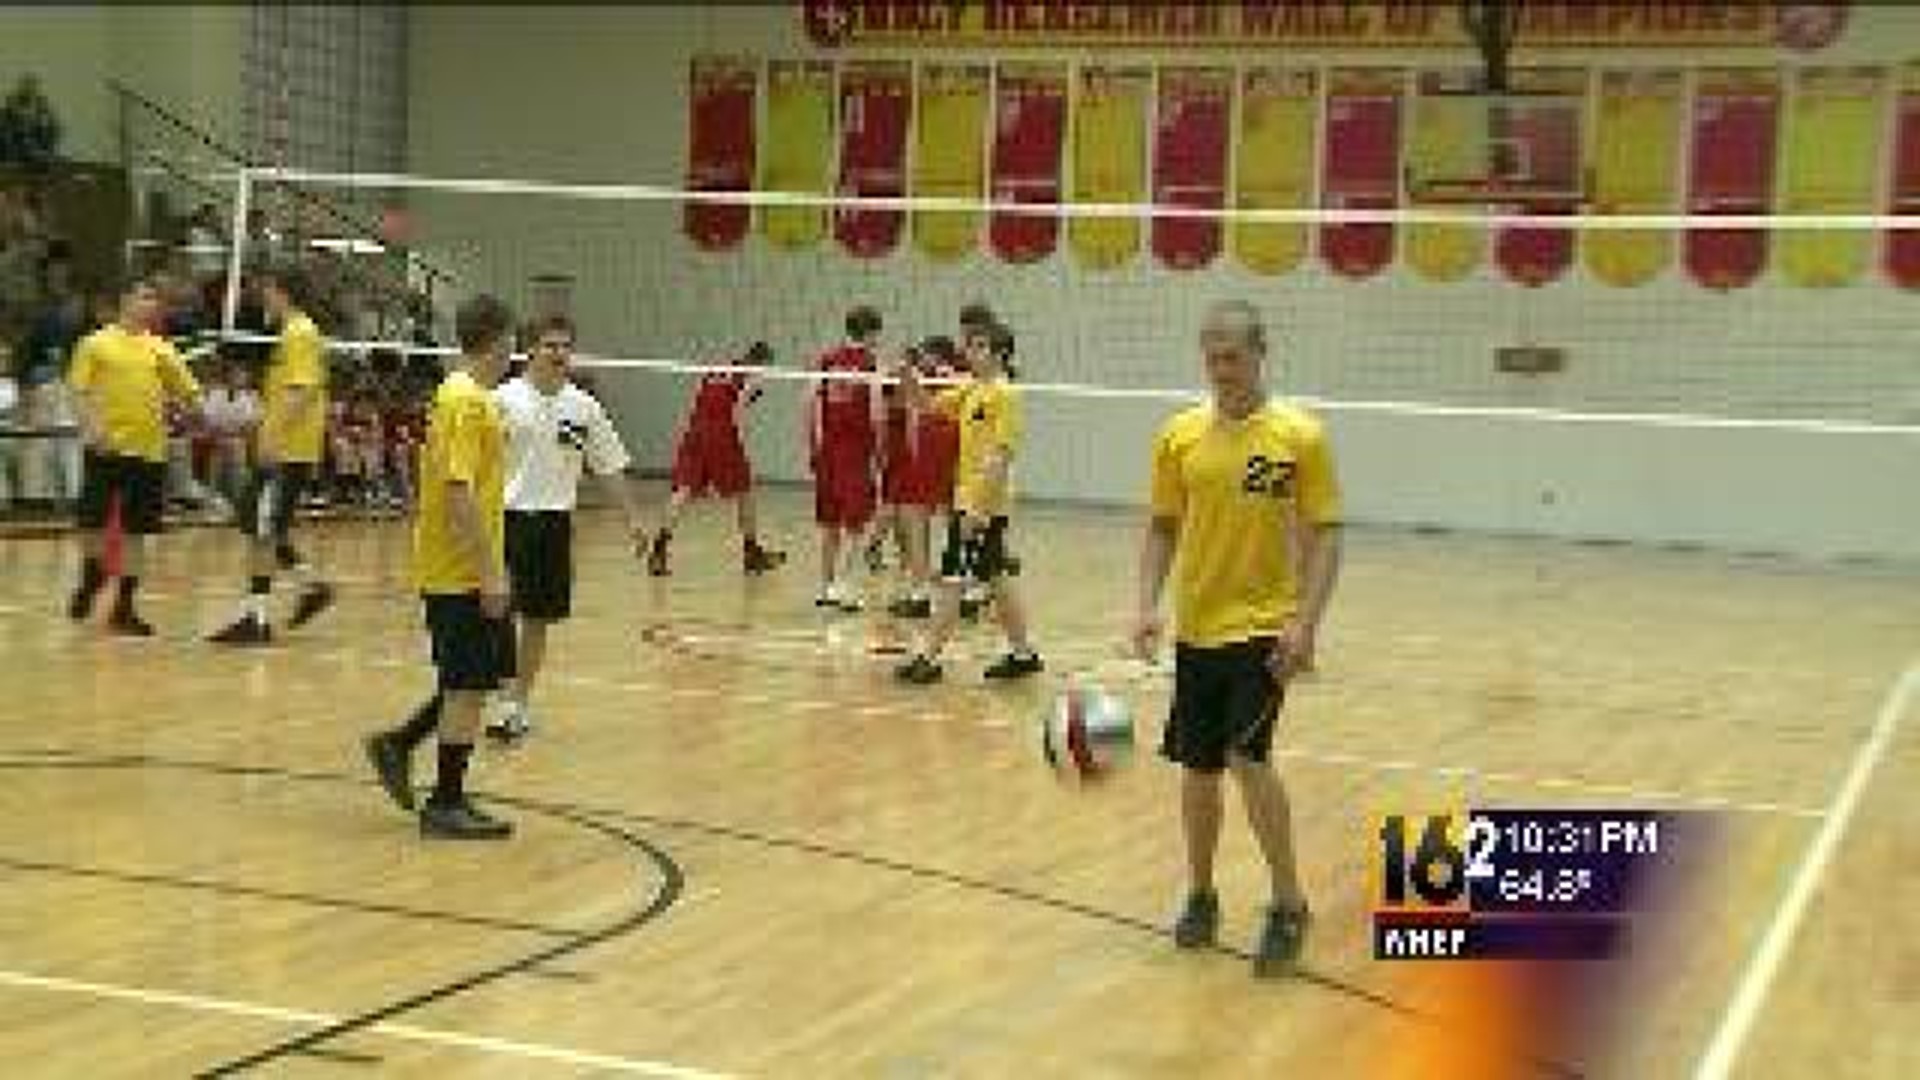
{"x": 514, "y": 723}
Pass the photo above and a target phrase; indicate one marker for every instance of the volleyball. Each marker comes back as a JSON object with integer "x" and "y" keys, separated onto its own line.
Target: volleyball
{"x": 1087, "y": 734}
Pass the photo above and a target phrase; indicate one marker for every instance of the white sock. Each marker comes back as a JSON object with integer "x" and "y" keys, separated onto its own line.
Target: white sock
{"x": 255, "y": 607}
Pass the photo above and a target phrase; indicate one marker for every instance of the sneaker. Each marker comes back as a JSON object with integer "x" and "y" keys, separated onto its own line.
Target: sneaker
{"x": 127, "y": 623}
{"x": 246, "y": 630}
{"x": 394, "y": 766}
{"x": 1199, "y": 921}
{"x": 657, "y": 557}
{"x": 758, "y": 560}
{"x": 314, "y": 599}
{"x": 920, "y": 671}
{"x": 461, "y": 821}
{"x": 911, "y": 607}
{"x": 970, "y": 607}
{"x": 826, "y": 600}
{"x": 512, "y": 725}
{"x": 1016, "y": 666}
{"x": 1278, "y": 951}
{"x": 877, "y": 554}
{"x": 80, "y": 604}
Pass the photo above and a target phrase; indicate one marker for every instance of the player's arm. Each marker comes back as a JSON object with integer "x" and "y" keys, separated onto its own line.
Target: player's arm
{"x": 1004, "y": 442}
{"x": 463, "y": 507}
{"x": 1318, "y": 500}
{"x": 607, "y": 456}
{"x": 1157, "y": 546}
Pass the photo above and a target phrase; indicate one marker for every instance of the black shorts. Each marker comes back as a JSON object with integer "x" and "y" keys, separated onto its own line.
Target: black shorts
{"x": 266, "y": 507}
{"x": 540, "y": 563}
{"x": 137, "y": 484}
{"x": 981, "y": 557}
{"x": 470, "y": 650}
{"x": 1225, "y": 701}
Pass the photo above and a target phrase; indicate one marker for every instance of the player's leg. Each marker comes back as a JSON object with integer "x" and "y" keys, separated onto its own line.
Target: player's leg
{"x": 142, "y": 489}
{"x": 540, "y": 573}
{"x": 1254, "y": 701}
{"x": 990, "y": 564}
{"x": 956, "y": 570}
{"x": 1196, "y": 739}
{"x": 91, "y": 511}
{"x": 316, "y": 593}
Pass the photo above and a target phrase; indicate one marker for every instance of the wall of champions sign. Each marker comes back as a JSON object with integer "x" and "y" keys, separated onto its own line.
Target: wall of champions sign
{"x": 1399, "y": 24}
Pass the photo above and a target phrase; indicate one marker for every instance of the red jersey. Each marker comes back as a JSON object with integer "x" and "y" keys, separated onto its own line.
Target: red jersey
{"x": 716, "y": 400}
{"x": 846, "y": 408}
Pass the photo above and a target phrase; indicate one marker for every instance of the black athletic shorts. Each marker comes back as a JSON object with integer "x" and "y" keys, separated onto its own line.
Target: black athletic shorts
{"x": 981, "y": 557}
{"x": 470, "y": 650}
{"x": 1225, "y": 700}
{"x": 137, "y": 484}
{"x": 275, "y": 492}
{"x": 540, "y": 563}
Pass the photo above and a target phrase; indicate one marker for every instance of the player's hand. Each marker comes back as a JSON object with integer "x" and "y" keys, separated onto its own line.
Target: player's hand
{"x": 1292, "y": 651}
{"x": 493, "y": 598}
{"x": 1144, "y": 636}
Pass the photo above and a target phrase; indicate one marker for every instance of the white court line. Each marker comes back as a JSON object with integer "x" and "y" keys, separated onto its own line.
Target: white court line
{"x": 1767, "y": 957}
{"x": 406, "y": 1032}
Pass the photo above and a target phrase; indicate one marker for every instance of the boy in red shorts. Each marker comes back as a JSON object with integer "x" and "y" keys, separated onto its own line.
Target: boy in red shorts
{"x": 917, "y": 477}
{"x": 842, "y": 437}
{"x": 711, "y": 458}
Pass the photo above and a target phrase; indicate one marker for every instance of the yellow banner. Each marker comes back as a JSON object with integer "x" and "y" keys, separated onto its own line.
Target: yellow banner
{"x": 1636, "y": 170}
{"x": 1109, "y": 162}
{"x": 1279, "y": 111}
{"x": 1544, "y": 24}
{"x": 797, "y": 150}
{"x": 1834, "y": 129}
{"x": 1443, "y": 141}
{"x": 949, "y": 155}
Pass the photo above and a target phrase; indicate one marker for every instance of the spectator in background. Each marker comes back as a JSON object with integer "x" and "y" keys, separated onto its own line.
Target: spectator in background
{"x": 221, "y": 445}
{"x": 206, "y": 245}
{"x": 50, "y": 468}
{"x": 10, "y": 444}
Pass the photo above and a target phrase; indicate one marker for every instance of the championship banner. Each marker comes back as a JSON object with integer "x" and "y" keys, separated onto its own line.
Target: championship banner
{"x": 1534, "y": 255}
{"x": 1835, "y": 126}
{"x": 1190, "y": 162}
{"x": 1274, "y": 164}
{"x": 720, "y": 146}
{"x": 1903, "y": 187}
{"x": 876, "y": 100}
{"x": 798, "y": 151}
{"x": 1029, "y": 121}
{"x": 1360, "y": 166}
{"x": 1636, "y": 170}
{"x": 1109, "y": 162}
{"x": 1312, "y": 24}
{"x": 949, "y": 155}
{"x": 1436, "y": 134}
{"x": 1735, "y": 116}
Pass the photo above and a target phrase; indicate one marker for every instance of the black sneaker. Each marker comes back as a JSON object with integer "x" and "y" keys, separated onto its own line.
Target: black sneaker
{"x": 1199, "y": 921}
{"x": 127, "y": 623}
{"x": 80, "y": 604}
{"x": 394, "y": 766}
{"x": 1016, "y": 666}
{"x": 970, "y": 608}
{"x": 920, "y": 671}
{"x": 657, "y": 557}
{"x": 245, "y": 630}
{"x": 461, "y": 821}
{"x": 1278, "y": 951}
{"x": 911, "y": 607}
{"x": 314, "y": 599}
{"x": 759, "y": 560}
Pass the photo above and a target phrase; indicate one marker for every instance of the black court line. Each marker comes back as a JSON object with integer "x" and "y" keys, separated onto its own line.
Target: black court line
{"x": 594, "y": 818}
{"x": 672, "y": 882}
{"x": 227, "y": 888}
{"x": 342, "y": 1057}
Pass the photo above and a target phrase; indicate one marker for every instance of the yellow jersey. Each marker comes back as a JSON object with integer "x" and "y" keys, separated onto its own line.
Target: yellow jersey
{"x": 129, "y": 377}
{"x": 299, "y": 361}
{"x": 466, "y": 444}
{"x": 988, "y": 414}
{"x": 1240, "y": 490}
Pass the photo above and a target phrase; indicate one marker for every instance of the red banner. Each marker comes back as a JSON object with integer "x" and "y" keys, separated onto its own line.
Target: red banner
{"x": 1903, "y": 193}
{"x": 1360, "y": 169}
{"x": 1190, "y": 162}
{"x": 720, "y": 146}
{"x": 1030, "y": 110}
{"x": 876, "y": 100}
{"x": 1735, "y": 117}
{"x": 1535, "y": 256}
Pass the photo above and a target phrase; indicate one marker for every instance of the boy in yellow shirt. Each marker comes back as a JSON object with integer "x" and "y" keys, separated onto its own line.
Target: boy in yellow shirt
{"x": 987, "y": 409}
{"x": 459, "y": 568}
{"x": 288, "y": 449}
{"x": 122, "y": 376}
{"x": 1246, "y": 514}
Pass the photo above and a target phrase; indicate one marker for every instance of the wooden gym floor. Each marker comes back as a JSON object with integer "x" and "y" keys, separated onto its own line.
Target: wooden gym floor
{"x": 743, "y": 851}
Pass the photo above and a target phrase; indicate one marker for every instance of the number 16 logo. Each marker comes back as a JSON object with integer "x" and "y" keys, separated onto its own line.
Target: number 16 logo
{"x": 1439, "y": 866}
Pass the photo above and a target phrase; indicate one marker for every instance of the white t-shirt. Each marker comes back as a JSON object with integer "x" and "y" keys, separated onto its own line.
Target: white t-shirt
{"x": 551, "y": 438}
